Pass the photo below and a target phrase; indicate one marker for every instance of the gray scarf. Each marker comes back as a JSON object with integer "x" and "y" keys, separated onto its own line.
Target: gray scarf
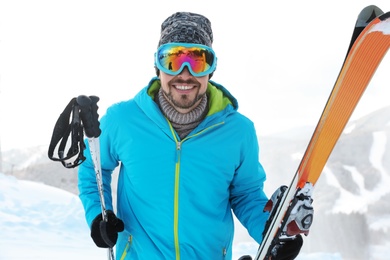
{"x": 182, "y": 123}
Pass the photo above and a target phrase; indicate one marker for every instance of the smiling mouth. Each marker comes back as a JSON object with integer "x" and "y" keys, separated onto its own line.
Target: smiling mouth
{"x": 185, "y": 87}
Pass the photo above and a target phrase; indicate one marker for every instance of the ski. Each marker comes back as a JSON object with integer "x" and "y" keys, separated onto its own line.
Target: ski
{"x": 369, "y": 44}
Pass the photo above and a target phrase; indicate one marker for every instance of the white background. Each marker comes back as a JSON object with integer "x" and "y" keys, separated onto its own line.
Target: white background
{"x": 280, "y": 59}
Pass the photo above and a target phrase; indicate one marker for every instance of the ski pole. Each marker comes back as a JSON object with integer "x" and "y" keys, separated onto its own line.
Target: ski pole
{"x": 94, "y": 146}
{"x": 89, "y": 115}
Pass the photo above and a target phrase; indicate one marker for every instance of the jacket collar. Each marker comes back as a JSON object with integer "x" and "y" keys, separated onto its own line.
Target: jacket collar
{"x": 221, "y": 104}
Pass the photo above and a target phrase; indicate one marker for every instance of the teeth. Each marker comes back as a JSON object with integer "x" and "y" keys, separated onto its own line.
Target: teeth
{"x": 184, "y": 87}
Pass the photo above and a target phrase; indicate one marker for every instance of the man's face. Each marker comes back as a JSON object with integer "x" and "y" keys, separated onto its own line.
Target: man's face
{"x": 183, "y": 91}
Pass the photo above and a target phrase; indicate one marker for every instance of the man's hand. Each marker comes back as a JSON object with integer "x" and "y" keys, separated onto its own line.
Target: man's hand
{"x": 287, "y": 249}
{"x": 298, "y": 222}
{"x": 105, "y": 234}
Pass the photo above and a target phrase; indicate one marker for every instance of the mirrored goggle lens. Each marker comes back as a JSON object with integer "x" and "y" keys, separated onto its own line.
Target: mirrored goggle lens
{"x": 171, "y": 58}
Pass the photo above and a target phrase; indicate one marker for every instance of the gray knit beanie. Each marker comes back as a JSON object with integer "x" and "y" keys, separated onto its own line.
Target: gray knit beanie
{"x": 186, "y": 27}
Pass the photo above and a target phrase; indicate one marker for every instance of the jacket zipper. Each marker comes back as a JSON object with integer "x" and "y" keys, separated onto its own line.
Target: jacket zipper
{"x": 176, "y": 202}
{"x": 127, "y": 248}
{"x": 176, "y": 193}
{"x": 176, "y": 185}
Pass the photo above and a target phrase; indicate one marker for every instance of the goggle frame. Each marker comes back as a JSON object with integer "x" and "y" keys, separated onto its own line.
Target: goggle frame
{"x": 191, "y": 46}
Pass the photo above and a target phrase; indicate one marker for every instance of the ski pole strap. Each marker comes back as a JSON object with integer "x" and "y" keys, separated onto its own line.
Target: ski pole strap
{"x": 78, "y": 116}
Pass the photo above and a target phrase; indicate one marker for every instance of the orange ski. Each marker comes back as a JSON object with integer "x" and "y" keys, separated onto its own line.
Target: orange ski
{"x": 369, "y": 44}
{"x": 359, "y": 67}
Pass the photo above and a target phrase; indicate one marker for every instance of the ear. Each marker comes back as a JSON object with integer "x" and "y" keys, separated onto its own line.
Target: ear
{"x": 157, "y": 71}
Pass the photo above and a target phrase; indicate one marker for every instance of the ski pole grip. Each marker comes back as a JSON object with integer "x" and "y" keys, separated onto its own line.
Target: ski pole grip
{"x": 89, "y": 115}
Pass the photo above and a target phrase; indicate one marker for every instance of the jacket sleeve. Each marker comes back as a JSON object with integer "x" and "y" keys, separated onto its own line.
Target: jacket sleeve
{"x": 87, "y": 184}
{"x": 247, "y": 196}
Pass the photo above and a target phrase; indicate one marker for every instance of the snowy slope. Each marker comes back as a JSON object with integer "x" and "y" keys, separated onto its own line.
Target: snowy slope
{"x": 43, "y": 222}
{"x": 351, "y": 199}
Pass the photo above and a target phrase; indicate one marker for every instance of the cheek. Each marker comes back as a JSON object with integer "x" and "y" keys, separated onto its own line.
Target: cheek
{"x": 165, "y": 77}
{"x": 203, "y": 81}
{"x": 164, "y": 80}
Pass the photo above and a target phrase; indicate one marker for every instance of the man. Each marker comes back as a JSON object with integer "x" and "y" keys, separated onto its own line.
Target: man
{"x": 187, "y": 159}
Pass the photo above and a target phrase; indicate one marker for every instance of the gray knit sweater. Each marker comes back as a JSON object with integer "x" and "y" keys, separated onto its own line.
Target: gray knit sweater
{"x": 182, "y": 123}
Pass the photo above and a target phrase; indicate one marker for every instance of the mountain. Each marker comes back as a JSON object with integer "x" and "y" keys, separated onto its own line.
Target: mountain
{"x": 33, "y": 164}
{"x": 351, "y": 199}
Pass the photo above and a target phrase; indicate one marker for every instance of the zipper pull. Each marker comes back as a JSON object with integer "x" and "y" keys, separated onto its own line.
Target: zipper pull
{"x": 178, "y": 147}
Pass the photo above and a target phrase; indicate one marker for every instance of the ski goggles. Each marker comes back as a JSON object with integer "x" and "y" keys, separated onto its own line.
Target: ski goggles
{"x": 171, "y": 58}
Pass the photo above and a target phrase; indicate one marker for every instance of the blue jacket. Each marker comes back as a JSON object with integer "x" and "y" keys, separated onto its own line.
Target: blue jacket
{"x": 176, "y": 196}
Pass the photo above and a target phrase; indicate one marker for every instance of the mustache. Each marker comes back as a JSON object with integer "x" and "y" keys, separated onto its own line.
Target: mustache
{"x": 190, "y": 81}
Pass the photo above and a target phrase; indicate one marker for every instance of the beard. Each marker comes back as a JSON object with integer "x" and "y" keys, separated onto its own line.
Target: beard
{"x": 183, "y": 101}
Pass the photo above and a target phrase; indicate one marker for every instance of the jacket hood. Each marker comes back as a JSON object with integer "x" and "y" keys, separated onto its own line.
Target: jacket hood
{"x": 221, "y": 104}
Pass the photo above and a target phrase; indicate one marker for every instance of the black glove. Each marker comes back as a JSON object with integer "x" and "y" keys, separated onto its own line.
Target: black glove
{"x": 105, "y": 234}
{"x": 287, "y": 249}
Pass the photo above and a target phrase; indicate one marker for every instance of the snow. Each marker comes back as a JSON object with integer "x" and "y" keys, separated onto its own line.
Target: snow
{"x": 381, "y": 224}
{"x": 35, "y": 156}
{"x": 380, "y": 252}
{"x": 297, "y": 156}
{"x": 43, "y": 222}
{"x": 348, "y": 202}
{"x": 377, "y": 150}
{"x": 382, "y": 27}
{"x": 349, "y": 128}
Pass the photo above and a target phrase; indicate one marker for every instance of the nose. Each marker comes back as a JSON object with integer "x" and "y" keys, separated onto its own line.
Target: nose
{"x": 185, "y": 72}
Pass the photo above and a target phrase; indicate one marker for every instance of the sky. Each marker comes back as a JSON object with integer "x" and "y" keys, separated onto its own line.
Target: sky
{"x": 280, "y": 59}
{"x": 48, "y": 223}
